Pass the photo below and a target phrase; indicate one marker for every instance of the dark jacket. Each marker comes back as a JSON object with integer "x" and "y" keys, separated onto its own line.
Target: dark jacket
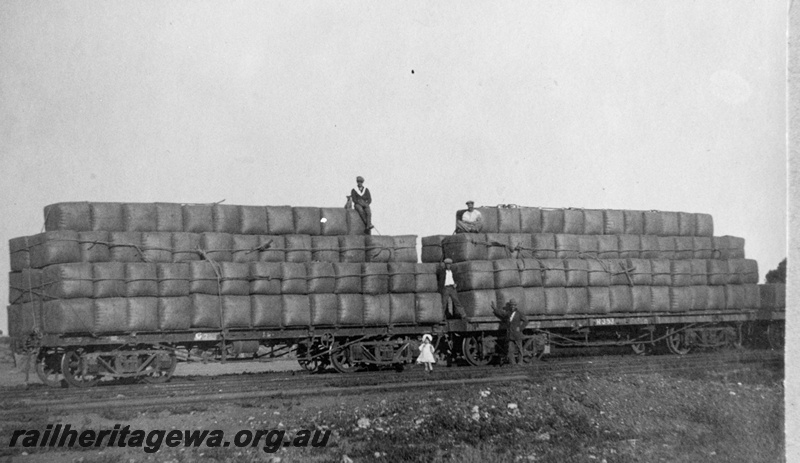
{"x": 513, "y": 325}
{"x": 364, "y": 199}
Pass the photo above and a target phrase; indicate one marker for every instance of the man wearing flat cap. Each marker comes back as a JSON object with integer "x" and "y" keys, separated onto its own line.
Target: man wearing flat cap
{"x": 514, "y": 322}
{"x": 361, "y": 201}
{"x": 447, "y": 285}
{"x": 471, "y": 220}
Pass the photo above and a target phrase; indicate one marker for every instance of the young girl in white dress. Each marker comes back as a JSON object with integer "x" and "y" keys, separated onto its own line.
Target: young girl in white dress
{"x": 426, "y": 353}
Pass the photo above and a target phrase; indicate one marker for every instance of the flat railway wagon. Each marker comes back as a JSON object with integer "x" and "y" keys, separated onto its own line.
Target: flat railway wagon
{"x": 123, "y": 290}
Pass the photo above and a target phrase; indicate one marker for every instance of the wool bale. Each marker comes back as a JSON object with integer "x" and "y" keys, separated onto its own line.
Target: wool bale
{"x": 405, "y": 249}
{"x": 642, "y": 272}
{"x": 185, "y": 247}
{"x": 607, "y": 247}
{"x": 735, "y": 271}
{"x": 245, "y": 248}
{"x": 324, "y": 309}
{"x": 660, "y": 299}
{"x": 226, "y": 218}
{"x": 325, "y": 249}
{"x": 670, "y": 224}
{"x": 236, "y": 312}
{"x": 491, "y": 221}
{"x": 687, "y": 224}
{"x": 477, "y": 303}
{"x": 428, "y": 308}
{"x": 662, "y": 272}
{"x": 68, "y": 281}
{"x": 630, "y": 247}
{"x": 198, "y": 218}
{"x": 702, "y": 247}
{"x": 68, "y": 316}
{"x": 684, "y": 247}
{"x": 94, "y": 246}
{"x": 699, "y": 272}
{"x": 749, "y": 271}
{"x": 348, "y": 278}
{"x": 530, "y": 273}
{"x": 554, "y": 272}
{"x": 465, "y": 247}
{"x": 379, "y": 248}
{"x": 642, "y": 298}
{"x": 156, "y": 247}
{"x": 432, "y": 248}
{"x": 705, "y": 225}
{"x": 402, "y": 308}
{"x": 272, "y": 248}
{"x": 169, "y": 217}
{"x": 520, "y": 245}
{"x": 544, "y": 245}
{"x": 577, "y": 300}
{"x": 321, "y": 277}
{"x": 109, "y": 280}
{"x": 598, "y": 273}
{"x": 506, "y": 273}
{"x": 355, "y": 226}
{"x": 352, "y": 248}
{"x": 426, "y": 280}
{"x": 351, "y": 309}
{"x": 377, "y": 309}
{"x": 593, "y": 222}
{"x": 574, "y": 221}
{"x": 19, "y": 253}
{"x": 567, "y": 246}
{"x": 634, "y": 222}
{"x": 107, "y": 217}
{"x": 681, "y": 271}
{"x": 613, "y": 222}
{"x": 307, "y": 220}
{"x": 74, "y": 216}
{"x": 125, "y": 247}
{"x": 717, "y": 271}
{"x": 621, "y": 297}
{"x": 204, "y": 277}
{"x": 772, "y": 296}
{"x": 174, "y": 313}
{"x": 588, "y": 246}
{"x": 206, "y": 311}
{"x": 402, "y": 277}
{"x": 280, "y": 220}
{"x": 728, "y": 247}
{"x": 509, "y": 220}
{"x": 142, "y": 314}
{"x": 474, "y": 275}
{"x": 139, "y": 217}
{"x": 530, "y": 220}
{"x": 650, "y": 247}
{"x": 267, "y": 310}
{"x": 294, "y": 279}
{"x": 621, "y": 273}
{"x": 666, "y": 246}
{"x": 752, "y": 297}
{"x": 504, "y": 295}
{"x": 734, "y": 297}
{"x": 253, "y": 220}
{"x": 375, "y": 278}
{"x": 298, "y": 248}
{"x": 266, "y": 278}
{"x": 653, "y": 224}
{"x": 173, "y": 280}
{"x": 716, "y": 298}
{"x": 498, "y": 247}
{"x": 680, "y": 298}
{"x": 110, "y": 315}
{"x": 599, "y": 299}
{"x": 217, "y": 246}
{"x": 55, "y": 247}
{"x": 577, "y": 272}
{"x": 25, "y": 286}
{"x": 555, "y": 301}
{"x": 141, "y": 280}
{"x": 533, "y": 301}
{"x": 335, "y": 221}
{"x": 700, "y": 298}
{"x": 552, "y": 220}
{"x": 235, "y": 279}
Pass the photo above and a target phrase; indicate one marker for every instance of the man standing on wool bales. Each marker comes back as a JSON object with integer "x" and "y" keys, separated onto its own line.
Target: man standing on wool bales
{"x": 362, "y": 199}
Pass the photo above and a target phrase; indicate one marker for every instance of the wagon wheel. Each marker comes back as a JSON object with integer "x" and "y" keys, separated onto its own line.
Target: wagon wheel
{"x": 76, "y": 371}
{"x": 529, "y": 353}
{"x": 641, "y": 347}
{"x": 340, "y": 359}
{"x": 476, "y": 351}
{"x": 776, "y": 335}
{"x": 48, "y": 369}
{"x": 315, "y": 363}
{"x": 733, "y": 338}
{"x": 161, "y": 368}
{"x": 676, "y": 342}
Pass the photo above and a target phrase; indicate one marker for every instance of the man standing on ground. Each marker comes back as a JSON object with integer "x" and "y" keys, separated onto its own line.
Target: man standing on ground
{"x": 515, "y": 322}
{"x": 449, "y": 292}
{"x": 471, "y": 220}
{"x": 361, "y": 200}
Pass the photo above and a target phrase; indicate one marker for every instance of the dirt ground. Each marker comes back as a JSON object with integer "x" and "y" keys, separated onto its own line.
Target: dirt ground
{"x": 695, "y": 416}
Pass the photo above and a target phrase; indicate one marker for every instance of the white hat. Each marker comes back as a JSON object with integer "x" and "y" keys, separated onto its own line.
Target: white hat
{"x": 428, "y": 337}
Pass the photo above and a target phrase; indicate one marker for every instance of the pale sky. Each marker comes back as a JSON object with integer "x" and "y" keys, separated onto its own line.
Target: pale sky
{"x": 667, "y": 105}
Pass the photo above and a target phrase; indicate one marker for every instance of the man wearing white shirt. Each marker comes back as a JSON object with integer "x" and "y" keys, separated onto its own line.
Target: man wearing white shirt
{"x": 449, "y": 292}
{"x": 471, "y": 220}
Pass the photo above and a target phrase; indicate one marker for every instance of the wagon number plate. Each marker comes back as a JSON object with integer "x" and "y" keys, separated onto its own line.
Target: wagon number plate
{"x": 604, "y": 321}
{"x": 206, "y": 336}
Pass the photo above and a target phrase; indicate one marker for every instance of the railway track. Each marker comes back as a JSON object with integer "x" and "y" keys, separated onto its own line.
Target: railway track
{"x": 249, "y": 387}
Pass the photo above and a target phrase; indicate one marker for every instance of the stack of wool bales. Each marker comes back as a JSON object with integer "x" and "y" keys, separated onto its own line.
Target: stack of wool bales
{"x": 115, "y": 268}
{"x": 574, "y": 261}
